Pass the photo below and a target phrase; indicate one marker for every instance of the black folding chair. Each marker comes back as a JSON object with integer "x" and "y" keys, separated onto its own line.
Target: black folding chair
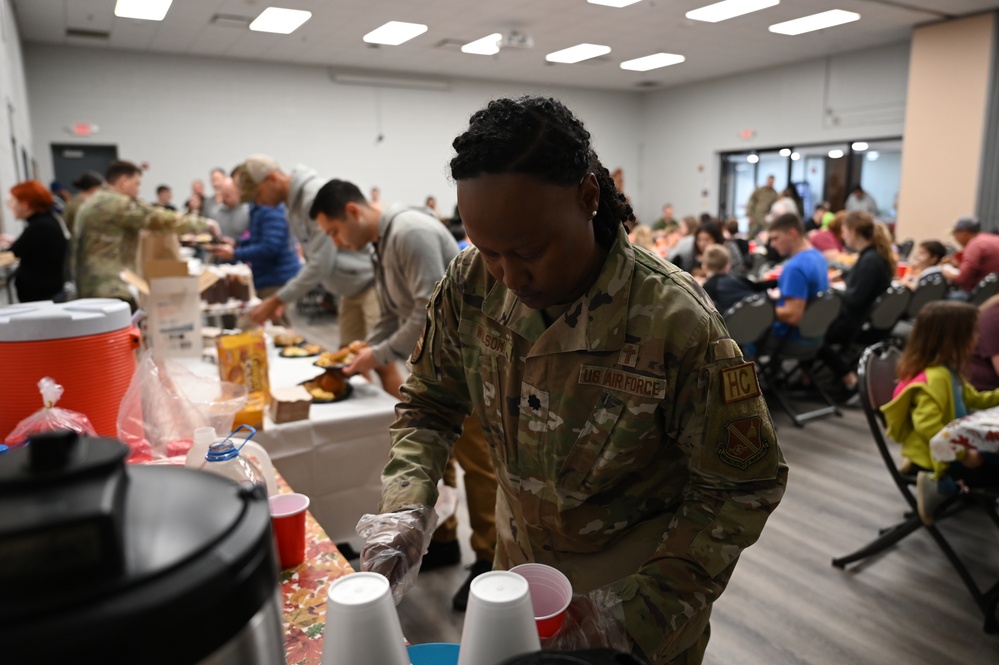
{"x": 876, "y": 372}
{"x": 886, "y": 310}
{"x": 929, "y": 288}
{"x": 749, "y": 319}
{"x": 905, "y": 249}
{"x": 985, "y": 289}
{"x": 788, "y": 358}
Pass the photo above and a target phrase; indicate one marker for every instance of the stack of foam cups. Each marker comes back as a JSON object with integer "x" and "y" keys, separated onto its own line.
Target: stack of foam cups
{"x": 499, "y": 621}
{"x": 362, "y": 625}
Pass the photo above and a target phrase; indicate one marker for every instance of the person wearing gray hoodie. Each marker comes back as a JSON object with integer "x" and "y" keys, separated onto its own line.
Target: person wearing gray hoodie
{"x": 348, "y": 275}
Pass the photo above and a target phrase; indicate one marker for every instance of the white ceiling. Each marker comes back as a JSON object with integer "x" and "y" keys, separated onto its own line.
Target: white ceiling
{"x": 332, "y": 37}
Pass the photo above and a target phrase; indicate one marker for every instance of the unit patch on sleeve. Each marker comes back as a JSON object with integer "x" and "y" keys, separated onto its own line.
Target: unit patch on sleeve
{"x": 739, "y": 383}
{"x": 744, "y": 444}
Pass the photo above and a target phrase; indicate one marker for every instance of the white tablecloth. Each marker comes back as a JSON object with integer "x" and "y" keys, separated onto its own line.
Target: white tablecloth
{"x": 337, "y": 455}
{"x": 977, "y": 430}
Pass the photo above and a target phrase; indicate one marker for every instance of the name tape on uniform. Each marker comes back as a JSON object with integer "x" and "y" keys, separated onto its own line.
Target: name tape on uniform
{"x": 493, "y": 342}
{"x": 627, "y": 382}
{"x": 739, "y": 383}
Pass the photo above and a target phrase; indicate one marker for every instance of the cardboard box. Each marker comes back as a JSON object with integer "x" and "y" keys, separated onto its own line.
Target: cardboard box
{"x": 290, "y": 404}
{"x": 172, "y": 304}
{"x": 253, "y": 414}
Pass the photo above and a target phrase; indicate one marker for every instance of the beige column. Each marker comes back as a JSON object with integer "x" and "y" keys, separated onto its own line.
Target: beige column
{"x": 950, "y": 67}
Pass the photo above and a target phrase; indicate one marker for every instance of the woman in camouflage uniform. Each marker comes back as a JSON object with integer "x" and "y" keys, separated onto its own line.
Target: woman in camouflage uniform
{"x": 632, "y": 446}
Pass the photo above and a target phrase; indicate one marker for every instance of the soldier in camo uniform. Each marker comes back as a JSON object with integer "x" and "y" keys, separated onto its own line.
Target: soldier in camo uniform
{"x": 633, "y": 449}
{"x": 107, "y": 232}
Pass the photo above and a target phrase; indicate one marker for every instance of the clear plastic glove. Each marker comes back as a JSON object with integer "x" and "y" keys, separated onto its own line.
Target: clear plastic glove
{"x": 593, "y": 620}
{"x": 394, "y": 545}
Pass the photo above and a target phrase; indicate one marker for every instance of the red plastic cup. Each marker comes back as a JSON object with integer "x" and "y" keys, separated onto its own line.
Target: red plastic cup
{"x": 901, "y": 269}
{"x": 288, "y": 522}
{"x": 551, "y": 593}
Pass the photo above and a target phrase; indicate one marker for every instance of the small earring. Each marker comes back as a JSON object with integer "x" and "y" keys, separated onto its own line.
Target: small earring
{"x": 593, "y": 214}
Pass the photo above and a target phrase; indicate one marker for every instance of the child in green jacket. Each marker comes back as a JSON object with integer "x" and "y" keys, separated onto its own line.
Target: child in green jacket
{"x": 930, "y": 393}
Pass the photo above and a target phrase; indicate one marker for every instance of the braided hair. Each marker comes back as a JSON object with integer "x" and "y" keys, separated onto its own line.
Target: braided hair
{"x": 539, "y": 137}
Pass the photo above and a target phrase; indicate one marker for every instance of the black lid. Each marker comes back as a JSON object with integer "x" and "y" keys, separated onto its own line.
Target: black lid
{"x": 198, "y": 564}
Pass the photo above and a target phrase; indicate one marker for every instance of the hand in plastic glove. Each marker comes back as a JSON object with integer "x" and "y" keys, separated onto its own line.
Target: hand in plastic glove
{"x": 592, "y": 621}
{"x": 394, "y": 545}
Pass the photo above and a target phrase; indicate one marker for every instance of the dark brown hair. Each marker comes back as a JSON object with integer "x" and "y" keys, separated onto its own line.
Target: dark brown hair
{"x": 943, "y": 334}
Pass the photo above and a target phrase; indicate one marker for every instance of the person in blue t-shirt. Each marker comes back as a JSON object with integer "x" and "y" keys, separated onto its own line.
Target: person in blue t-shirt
{"x": 805, "y": 274}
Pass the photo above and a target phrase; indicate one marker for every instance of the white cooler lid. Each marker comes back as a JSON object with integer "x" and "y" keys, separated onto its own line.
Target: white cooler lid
{"x": 38, "y": 321}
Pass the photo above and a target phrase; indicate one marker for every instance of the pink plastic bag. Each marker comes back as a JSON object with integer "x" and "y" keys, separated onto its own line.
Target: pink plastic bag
{"x": 50, "y": 417}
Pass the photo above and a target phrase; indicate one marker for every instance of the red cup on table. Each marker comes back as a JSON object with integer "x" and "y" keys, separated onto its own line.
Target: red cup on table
{"x": 551, "y": 593}
{"x": 288, "y": 522}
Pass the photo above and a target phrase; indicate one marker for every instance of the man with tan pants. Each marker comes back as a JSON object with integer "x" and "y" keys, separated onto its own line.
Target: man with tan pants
{"x": 412, "y": 251}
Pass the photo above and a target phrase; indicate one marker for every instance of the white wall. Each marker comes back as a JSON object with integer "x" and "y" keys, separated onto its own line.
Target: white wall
{"x": 851, "y": 96}
{"x": 185, "y": 115}
{"x": 15, "y": 119}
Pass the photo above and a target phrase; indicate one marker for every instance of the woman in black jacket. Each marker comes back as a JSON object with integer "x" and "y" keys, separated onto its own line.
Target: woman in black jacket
{"x": 41, "y": 247}
{"x": 869, "y": 277}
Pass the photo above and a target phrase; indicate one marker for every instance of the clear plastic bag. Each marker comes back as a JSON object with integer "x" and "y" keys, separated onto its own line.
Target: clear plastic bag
{"x": 166, "y": 402}
{"x": 50, "y": 417}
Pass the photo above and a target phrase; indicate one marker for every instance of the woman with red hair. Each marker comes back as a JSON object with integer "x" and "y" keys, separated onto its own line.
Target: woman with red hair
{"x": 41, "y": 247}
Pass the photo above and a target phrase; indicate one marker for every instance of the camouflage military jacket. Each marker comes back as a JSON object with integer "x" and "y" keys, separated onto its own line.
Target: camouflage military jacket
{"x": 106, "y": 239}
{"x": 632, "y": 446}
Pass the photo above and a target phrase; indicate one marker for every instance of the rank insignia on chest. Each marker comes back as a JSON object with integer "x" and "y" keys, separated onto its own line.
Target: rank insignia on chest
{"x": 629, "y": 355}
{"x": 744, "y": 444}
{"x": 739, "y": 383}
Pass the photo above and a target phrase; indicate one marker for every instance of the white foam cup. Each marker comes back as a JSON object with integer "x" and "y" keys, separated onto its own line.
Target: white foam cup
{"x": 362, "y": 625}
{"x": 499, "y": 621}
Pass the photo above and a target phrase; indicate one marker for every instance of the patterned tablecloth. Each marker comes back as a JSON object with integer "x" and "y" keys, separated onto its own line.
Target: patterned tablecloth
{"x": 977, "y": 430}
{"x": 303, "y": 593}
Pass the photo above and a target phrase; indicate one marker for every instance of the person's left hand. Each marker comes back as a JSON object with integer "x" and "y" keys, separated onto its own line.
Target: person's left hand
{"x": 214, "y": 228}
{"x": 224, "y": 252}
{"x": 364, "y": 360}
{"x": 590, "y": 623}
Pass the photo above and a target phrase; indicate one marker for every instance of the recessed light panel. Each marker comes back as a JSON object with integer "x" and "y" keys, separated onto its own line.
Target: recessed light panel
{"x": 578, "y": 53}
{"x": 488, "y": 45}
{"x": 654, "y": 61}
{"x": 394, "y": 33}
{"x": 828, "y": 19}
{"x": 835, "y": 154}
{"x": 613, "y": 3}
{"x": 723, "y": 11}
{"x": 147, "y": 10}
{"x": 279, "y": 20}
{"x": 859, "y": 146}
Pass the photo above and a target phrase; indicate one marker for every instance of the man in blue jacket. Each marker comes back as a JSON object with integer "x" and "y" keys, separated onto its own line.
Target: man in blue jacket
{"x": 269, "y": 249}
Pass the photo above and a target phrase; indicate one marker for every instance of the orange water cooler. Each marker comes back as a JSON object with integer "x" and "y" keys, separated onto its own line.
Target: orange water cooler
{"x": 87, "y": 346}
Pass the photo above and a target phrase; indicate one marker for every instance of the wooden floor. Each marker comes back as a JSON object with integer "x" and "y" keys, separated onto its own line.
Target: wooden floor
{"x": 786, "y": 603}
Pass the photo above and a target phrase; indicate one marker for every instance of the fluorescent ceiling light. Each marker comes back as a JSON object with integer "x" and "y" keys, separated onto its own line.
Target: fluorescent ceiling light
{"x": 785, "y": 152}
{"x": 488, "y": 45}
{"x": 279, "y": 20}
{"x": 752, "y": 159}
{"x": 394, "y": 33}
{"x": 814, "y": 22}
{"x": 147, "y": 10}
{"x": 835, "y": 154}
{"x": 654, "y": 61}
{"x": 859, "y": 146}
{"x": 722, "y": 11}
{"x": 578, "y": 53}
{"x": 795, "y": 156}
{"x": 873, "y": 155}
{"x": 613, "y": 3}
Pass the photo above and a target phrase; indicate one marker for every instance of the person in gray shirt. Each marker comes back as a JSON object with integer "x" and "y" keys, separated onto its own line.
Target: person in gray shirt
{"x": 346, "y": 273}
{"x": 412, "y": 251}
{"x": 233, "y": 217}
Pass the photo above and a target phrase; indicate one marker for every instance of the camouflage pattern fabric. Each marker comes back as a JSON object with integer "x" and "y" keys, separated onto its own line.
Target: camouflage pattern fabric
{"x": 631, "y": 443}
{"x": 107, "y": 239}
